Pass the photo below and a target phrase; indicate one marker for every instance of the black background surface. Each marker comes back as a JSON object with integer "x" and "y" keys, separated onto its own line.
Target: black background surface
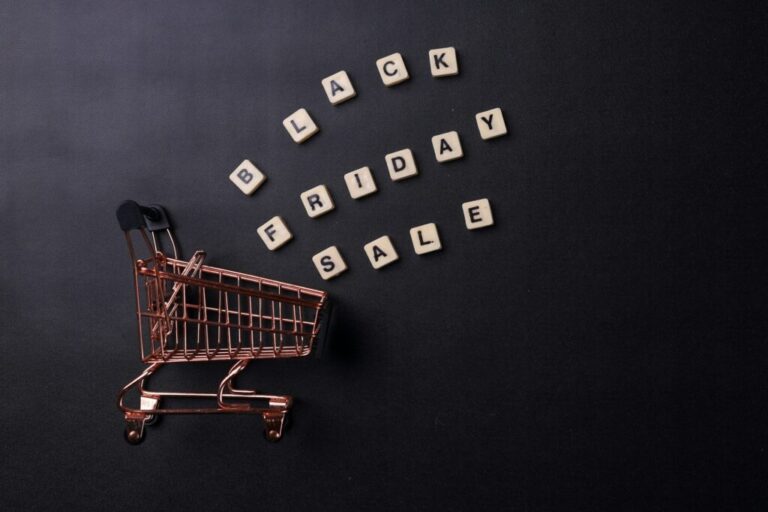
{"x": 600, "y": 348}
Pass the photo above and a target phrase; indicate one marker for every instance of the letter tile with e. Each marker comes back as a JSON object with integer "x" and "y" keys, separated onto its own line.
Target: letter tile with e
{"x": 477, "y": 214}
{"x": 491, "y": 124}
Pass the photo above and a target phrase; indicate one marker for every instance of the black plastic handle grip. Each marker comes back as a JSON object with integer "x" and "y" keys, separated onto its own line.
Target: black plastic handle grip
{"x": 132, "y": 215}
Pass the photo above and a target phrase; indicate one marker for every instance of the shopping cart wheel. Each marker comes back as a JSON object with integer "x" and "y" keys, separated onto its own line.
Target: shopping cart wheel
{"x": 272, "y": 436}
{"x": 134, "y": 432}
{"x": 274, "y": 425}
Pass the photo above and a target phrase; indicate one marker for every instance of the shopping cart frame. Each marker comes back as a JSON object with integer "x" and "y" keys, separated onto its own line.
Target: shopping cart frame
{"x": 168, "y": 319}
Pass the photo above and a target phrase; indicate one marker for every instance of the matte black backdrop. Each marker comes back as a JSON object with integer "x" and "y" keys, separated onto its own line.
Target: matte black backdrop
{"x": 598, "y": 348}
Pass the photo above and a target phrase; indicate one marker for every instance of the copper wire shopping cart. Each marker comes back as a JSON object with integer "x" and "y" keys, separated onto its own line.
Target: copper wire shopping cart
{"x": 190, "y": 312}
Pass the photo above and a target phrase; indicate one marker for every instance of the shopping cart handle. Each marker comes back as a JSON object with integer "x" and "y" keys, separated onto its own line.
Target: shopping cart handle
{"x": 132, "y": 215}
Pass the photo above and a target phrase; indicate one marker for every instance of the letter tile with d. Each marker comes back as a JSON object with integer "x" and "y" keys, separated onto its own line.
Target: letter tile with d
{"x": 401, "y": 165}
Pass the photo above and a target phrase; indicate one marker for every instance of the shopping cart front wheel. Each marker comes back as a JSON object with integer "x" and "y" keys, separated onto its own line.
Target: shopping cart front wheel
{"x": 134, "y": 433}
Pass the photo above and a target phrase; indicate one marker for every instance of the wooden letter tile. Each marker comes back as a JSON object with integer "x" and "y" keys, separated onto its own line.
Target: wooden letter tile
{"x": 425, "y": 238}
{"x": 392, "y": 69}
{"x": 360, "y": 182}
{"x": 247, "y": 177}
{"x": 491, "y": 123}
{"x": 443, "y": 62}
{"x": 381, "y": 252}
{"x": 300, "y": 126}
{"x": 477, "y": 214}
{"x": 274, "y": 233}
{"x": 317, "y": 201}
{"x": 329, "y": 262}
{"x": 339, "y": 88}
{"x": 447, "y": 147}
{"x": 401, "y": 165}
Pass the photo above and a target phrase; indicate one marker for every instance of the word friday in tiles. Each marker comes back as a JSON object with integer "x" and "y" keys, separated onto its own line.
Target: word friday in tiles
{"x": 360, "y": 182}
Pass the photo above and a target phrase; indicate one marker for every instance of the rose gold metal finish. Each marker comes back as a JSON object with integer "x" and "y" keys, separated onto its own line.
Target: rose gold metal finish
{"x": 191, "y": 312}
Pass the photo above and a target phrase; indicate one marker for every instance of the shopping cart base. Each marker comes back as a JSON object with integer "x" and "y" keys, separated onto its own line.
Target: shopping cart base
{"x": 228, "y": 399}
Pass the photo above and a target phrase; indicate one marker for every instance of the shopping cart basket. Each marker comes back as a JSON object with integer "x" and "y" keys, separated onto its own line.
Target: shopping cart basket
{"x": 190, "y": 312}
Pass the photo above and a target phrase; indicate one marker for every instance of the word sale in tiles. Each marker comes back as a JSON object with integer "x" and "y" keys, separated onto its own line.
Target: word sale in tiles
{"x": 360, "y": 183}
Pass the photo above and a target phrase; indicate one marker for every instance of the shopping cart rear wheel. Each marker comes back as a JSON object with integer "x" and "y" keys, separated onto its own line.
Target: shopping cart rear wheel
{"x": 272, "y": 436}
{"x": 133, "y": 434}
{"x": 275, "y": 426}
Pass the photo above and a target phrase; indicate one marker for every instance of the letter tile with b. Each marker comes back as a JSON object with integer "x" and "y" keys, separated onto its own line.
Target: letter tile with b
{"x": 247, "y": 177}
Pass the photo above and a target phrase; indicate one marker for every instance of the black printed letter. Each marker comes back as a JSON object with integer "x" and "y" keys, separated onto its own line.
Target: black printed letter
{"x": 488, "y": 121}
{"x": 269, "y": 231}
{"x": 335, "y": 87}
{"x": 398, "y": 163}
{"x": 245, "y": 176}
{"x": 422, "y": 241}
{"x": 313, "y": 200}
{"x": 297, "y": 127}
{"x": 384, "y": 67}
{"x": 378, "y": 253}
{"x": 327, "y": 263}
{"x": 439, "y": 60}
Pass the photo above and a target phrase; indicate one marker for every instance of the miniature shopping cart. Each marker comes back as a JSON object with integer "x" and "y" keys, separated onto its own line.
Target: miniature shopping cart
{"x": 191, "y": 312}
